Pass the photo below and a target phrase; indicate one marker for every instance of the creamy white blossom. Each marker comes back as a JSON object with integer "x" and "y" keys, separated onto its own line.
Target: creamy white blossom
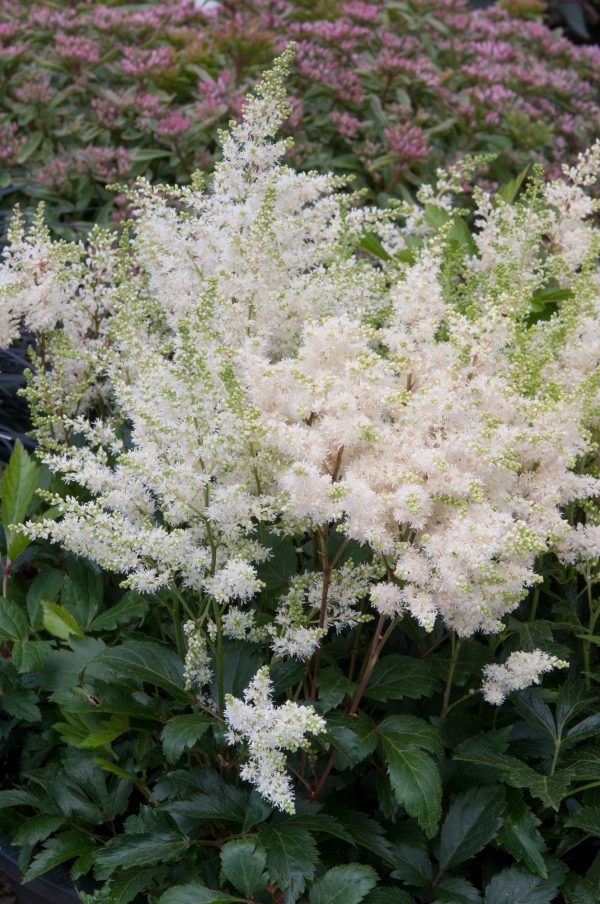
{"x": 521, "y": 670}
{"x": 266, "y": 376}
{"x": 270, "y": 732}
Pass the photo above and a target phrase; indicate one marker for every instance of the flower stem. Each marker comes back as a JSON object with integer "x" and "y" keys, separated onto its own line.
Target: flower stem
{"x": 219, "y": 656}
{"x": 456, "y": 645}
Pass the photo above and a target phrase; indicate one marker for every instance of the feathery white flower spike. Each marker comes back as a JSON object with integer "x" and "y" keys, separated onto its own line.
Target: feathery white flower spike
{"x": 521, "y": 670}
{"x": 269, "y": 732}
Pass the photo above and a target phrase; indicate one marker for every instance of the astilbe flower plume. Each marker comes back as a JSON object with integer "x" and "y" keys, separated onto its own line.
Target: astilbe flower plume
{"x": 270, "y": 731}
{"x": 272, "y": 377}
{"x": 521, "y": 670}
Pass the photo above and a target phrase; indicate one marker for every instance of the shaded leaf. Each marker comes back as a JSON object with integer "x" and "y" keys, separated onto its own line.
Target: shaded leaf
{"x": 395, "y": 677}
{"x": 243, "y": 863}
{"x": 136, "y": 661}
{"x": 181, "y": 733}
{"x": 353, "y": 739}
{"x": 472, "y": 821}
{"x": 587, "y": 819}
{"x": 193, "y": 893}
{"x": 131, "y": 606}
{"x": 68, "y": 845}
{"x": 291, "y": 857}
{"x": 415, "y": 780}
{"x": 141, "y": 849}
{"x": 344, "y": 885}
{"x": 520, "y": 837}
{"x": 517, "y": 886}
{"x": 13, "y": 621}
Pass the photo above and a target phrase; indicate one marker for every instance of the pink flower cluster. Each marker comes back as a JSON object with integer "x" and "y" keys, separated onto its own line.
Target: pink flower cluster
{"x": 388, "y": 91}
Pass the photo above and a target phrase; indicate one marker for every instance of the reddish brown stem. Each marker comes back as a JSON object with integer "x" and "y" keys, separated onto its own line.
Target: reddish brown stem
{"x": 376, "y": 645}
{"x": 323, "y": 612}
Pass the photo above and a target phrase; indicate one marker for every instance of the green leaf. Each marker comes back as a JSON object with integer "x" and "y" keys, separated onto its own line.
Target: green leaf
{"x": 516, "y": 886}
{"x": 436, "y": 216}
{"x": 413, "y": 865}
{"x": 389, "y": 895}
{"x": 472, "y": 821}
{"x": 36, "y": 829}
{"x": 578, "y": 890}
{"x": 82, "y": 591}
{"x": 125, "y": 885}
{"x": 30, "y": 655}
{"x": 452, "y": 890}
{"x": 413, "y": 731}
{"x": 114, "y": 769}
{"x": 531, "y": 707}
{"x": 131, "y": 606}
{"x": 395, "y": 677}
{"x": 135, "y": 661}
{"x": 291, "y": 857}
{"x": 243, "y": 863}
{"x": 353, "y": 739}
{"x": 45, "y": 586}
{"x": 141, "y": 849}
{"x": 13, "y": 621}
{"x": 509, "y": 191}
{"x": 104, "y": 736}
{"x": 195, "y": 894}
{"x": 18, "y": 797}
{"x": 241, "y": 662}
{"x": 582, "y": 764}
{"x": 348, "y": 884}
{"x": 333, "y": 687}
{"x": 145, "y": 155}
{"x": 31, "y": 145}
{"x": 550, "y": 789}
{"x": 19, "y": 482}
{"x": 68, "y": 845}
{"x": 59, "y": 621}
{"x": 415, "y": 780}
{"x": 587, "y": 819}
{"x": 520, "y": 837}
{"x": 372, "y": 244}
{"x": 223, "y": 802}
{"x": 181, "y": 733}
{"x": 363, "y": 831}
{"x": 587, "y": 728}
{"x": 21, "y": 702}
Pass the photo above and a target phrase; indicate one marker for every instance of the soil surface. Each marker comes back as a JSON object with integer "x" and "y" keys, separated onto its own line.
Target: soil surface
{"x": 6, "y": 896}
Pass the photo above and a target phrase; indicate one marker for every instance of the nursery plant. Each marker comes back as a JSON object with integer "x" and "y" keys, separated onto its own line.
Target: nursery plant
{"x": 311, "y": 518}
{"x": 95, "y": 93}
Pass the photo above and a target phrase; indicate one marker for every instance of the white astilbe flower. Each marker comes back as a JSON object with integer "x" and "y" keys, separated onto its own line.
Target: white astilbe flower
{"x": 296, "y": 630}
{"x": 520, "y": 670}
{"x": 270, "y": 732}
{"x": 388, "y": 599}
{"x": 240, "y": 624}
{"x": 266, "y": 378}
{"x": 581, "y": 544}
{"x": 236, "y": 580}
{"x": 197, "y": 672}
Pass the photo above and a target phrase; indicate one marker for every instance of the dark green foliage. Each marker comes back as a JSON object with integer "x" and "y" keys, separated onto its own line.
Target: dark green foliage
{"x": 419, "y": 794}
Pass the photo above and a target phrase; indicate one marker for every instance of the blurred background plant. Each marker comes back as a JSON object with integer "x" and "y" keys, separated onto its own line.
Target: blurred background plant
{"x": 387, "y": 90}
